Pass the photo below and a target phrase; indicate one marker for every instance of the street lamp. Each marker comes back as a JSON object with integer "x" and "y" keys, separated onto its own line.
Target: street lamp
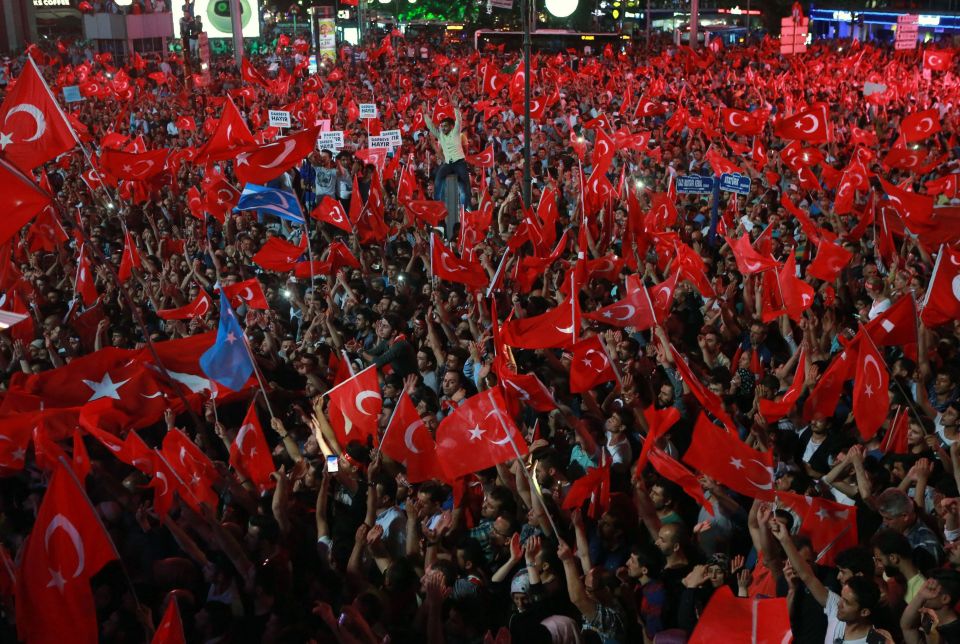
{"x": 561, "y": 8}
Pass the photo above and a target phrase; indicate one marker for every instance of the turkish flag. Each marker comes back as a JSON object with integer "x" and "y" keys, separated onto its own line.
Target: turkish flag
{"x": 331, "y": 211}
{"x": 722, "y": 456}
{"x": 248, "y": 292}
{"x": 221, "y": 198}
{"x": 920, "y": 125}
{"x": 352, "y": 417}
{"x": 186, "y": 124}
{"x": 937, "y": 60}
{"x": 897, "y": 326}
{"x": 797, "y": 294}
{"x": 659, "y": 422}
{"x": 947, "y": 185}
{"x": 46, "y": 233}
{"x": 830, "y": 526}
{"x": 231, "y": 136}
{"x": 603, "y": 149}
{"x": 478, "y": 435}
{"x": 895, "y": 440}
{"x": 525, "y": 389}
{"x": 170, "y": 630}
{"x": 810, "y": 125}
{"x": 260, "y": 164}
{"x": 250, "y": 454}
{"x": 482, "y": 159}
{"x": 131, "y": 165}
{"x": 23, "y": 199}
{"x": 830, "y": 260}
{"x": 66, "y": 548}
{"x": 635, "y": 310}
{"x": 744, "y": 123}
{"x": 673, "y": 470}
{"x": 81, "y": 459}
{"x": 557, "y": 328}
{"x": 590, "y": 365}
{"x": 34, "y": 129}
{"x": 278, "y": 255}
{"x": 447, "y": 266}
{"x": 130, "y": 258}
{"x": 408, "y": 441}
{"x": 871, "y": 393}
{"x": 192, "y": 468}
{"x": 823, "y": 399}
{"x": 251, "y": 74}
{"x": 941, "y": 304}
{"x": 431, "y": 212}
{"x": 198, "y": 307}
{"x": 774, "y": 410}
{"x": 594, "y": 485}
{"x": 84, "y": 285}
{"x": 916, "y": 210}
{"x": 711, "y": 402}
{"x": 731, "y": 619}
{"x": 749, "y": 261}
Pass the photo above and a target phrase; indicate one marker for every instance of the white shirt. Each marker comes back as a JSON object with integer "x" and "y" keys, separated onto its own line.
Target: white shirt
{"x": 836, "y": 628}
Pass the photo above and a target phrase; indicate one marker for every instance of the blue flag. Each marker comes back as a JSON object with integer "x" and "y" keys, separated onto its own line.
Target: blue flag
{"x": 227, "y": 361}
{"x": 281, "y": 203}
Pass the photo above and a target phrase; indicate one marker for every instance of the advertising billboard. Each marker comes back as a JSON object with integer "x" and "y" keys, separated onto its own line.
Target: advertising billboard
{"x": 215, "y": 16}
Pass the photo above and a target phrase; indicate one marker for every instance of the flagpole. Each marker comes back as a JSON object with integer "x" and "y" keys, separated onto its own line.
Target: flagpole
{"x": 533, "y": 488}
{"x": 256, "y": 371}
{"x": 830, "y": 545}
{"x": 386, "y": 431}
{"x": 496, "y": 273}
{"x": 73, "y": 476}
{"x": 613, "y": 365}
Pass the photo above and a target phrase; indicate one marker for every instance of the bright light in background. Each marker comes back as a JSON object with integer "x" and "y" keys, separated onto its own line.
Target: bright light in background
{"x": 124, "y": 3}
{"x": 561, "y": 8}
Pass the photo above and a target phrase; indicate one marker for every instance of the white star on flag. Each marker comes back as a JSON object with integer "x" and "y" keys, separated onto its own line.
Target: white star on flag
{"x": 106, "y": 388}
{"x": 476, "y": 433}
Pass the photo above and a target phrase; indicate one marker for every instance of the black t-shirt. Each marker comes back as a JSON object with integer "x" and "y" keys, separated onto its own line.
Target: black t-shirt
{"x": 672, "y": 579}
{"x": 949, "y": 632}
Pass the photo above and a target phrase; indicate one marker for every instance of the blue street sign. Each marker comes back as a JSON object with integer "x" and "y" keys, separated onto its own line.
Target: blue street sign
{"x": 733, "y": 182}
{"x": 694, "y": 184}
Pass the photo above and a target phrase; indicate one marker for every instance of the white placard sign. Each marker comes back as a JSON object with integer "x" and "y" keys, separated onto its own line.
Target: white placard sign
{"x": 394, "y": 136}
{"x": 379, "y": 141}
{"x": 279, "y": 118}
{"x": 330, "y": 140}
{"x": 368, "y": 110}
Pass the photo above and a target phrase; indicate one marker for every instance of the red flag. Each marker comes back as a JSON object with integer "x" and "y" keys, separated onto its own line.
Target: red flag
{"x": 830, "y": 260}
{"x": 809, "y": 125}
{"x": 722, "y": 456}
{"x": 23, "y": 200}
{"x": 131, "y": 165}
{"x": 170, "y": 630}
{"x": 352, "y": 417}
{"x": 797, "y": 294}
{"x": 230, "y": 137}
{"x": 248, "y": 292}
{"x": 330, "y": 211}
{"x": 659, "y": 422}
{"x": 635, "y": 310}
{"x": 730, "y": 619}
{"x": 46, "y": 233}
{"x": 920, "y": 125}
{"x": 447, "y": 266}
{"x": 937, "y": 60}
{"x": 260, "y": 164}
{"x": 33, "y": 129}
{"x": 251, "y": 74}
{"x": 590, "y": 365}
{"x": 200, "y": 306}
{"x": 941, "y": 304}
{"x": 774, "y": 410}
{"x": 408, "y": 442}
{"x": 221, "y": 198}
{"x": 596, "y": 481}
{"x": 830, "y": 526}
{"x": 916, "y": 210}
{"x": 557, "y": 328}
{"x": 710, "y": 401}
{"x": 482, "y": 159}
{"x": 192, "y": 467}
{"x": 130, "y": 258}
{"x": 525, "y": 389}
{"x": 477, "y": 435}
{"x": 84, "y": 285}
{"x": 895, "y": 440}
{"x": 744, "y": 123}
{"x": 67, "y": 546}
{"x": 81, "y": 460}
{"x": 871, "y": 393}
{"x": 947, "y": 185}
{"x": 897, "y": 326}
{"x": 431, "y": 212}
{"x": 278, "y": 255}
{"x": 749, "y": 261}
{"x": 250, "y": 454}
{"x": 822, "y": 401}
{"x": 673, "y": 470}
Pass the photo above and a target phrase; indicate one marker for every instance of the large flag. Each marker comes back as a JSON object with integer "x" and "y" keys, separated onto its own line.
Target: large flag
{"x": 722, "y": 456}
{"x": 250, "y": 454}
{"x": 281, "y": 203}
{"x": 635, "y": 310}
{"x": 23, "y": 200}
{"x": 478, "y": 435}
{"x": 33, "y": 129}
{"x": 750, "y": 620}
{"x": 67, "y": 547}
{"x": 228, "y": 362}
{"x": 260, "y": 164}
{"x": 355, "y": 406}
{"x": 408, "y": 442}
{"x": 809, "y": 125}
{"x": 558, "y": 327}
{"x": 871, "y": 393}
{"x": 941, "y": 304}
{"x": 590, "y": 365}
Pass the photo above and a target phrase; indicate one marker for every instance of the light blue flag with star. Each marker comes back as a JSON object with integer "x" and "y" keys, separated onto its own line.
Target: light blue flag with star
{"x": 227, "y": 362}
{"x": 281, "y": 203}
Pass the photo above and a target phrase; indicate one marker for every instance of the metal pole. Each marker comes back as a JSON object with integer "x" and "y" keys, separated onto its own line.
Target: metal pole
{"x": 748, "y": 21}
{"x": 694, "y": 19}
{"x": 649, "y": 18}
{"x": 525, "y": 12}
{"x": 237, "y": 26}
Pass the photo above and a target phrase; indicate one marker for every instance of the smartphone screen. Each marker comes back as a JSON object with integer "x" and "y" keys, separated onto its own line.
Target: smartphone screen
{"x": 333, "y": 464}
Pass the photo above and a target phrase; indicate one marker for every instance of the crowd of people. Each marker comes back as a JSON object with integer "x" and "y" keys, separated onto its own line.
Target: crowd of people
{"x": 605, "y": 526}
